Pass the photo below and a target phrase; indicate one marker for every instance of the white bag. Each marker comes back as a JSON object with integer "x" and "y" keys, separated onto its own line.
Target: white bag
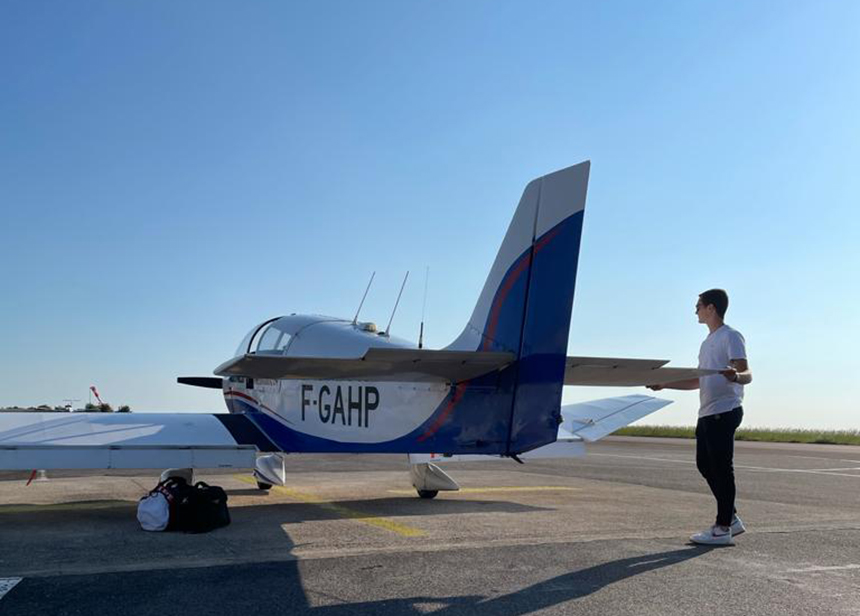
{"x": 153, "y": 511}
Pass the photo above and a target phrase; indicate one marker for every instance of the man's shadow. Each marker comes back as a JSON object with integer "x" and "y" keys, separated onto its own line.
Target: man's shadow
{"x": 551, "y": 592}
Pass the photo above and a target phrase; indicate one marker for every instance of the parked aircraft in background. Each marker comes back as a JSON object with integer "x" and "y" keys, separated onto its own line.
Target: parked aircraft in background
{"x": 300, "y": 383}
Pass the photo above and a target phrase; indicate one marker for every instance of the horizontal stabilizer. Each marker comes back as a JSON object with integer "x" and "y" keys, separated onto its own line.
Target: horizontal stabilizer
{"x": 595, "y": 419}
{"x": 618, "y": 372}
{"x": 127, "y": 440}
{"x": 381, "y": 364}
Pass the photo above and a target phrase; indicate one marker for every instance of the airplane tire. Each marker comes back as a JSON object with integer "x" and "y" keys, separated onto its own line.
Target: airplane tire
{"x": 428, "y": 494}
{"x": 264, "y": 486}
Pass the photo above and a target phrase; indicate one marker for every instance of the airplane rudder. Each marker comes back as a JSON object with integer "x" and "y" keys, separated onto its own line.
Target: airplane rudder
{"x": 546, "y": 323}
{"x": 555, "y": 259}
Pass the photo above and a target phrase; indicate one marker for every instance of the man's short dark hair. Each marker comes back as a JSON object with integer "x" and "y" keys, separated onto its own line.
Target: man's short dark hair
{"x": 717, "y": 298}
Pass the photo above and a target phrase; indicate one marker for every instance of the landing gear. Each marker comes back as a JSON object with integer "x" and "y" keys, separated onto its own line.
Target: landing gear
{"x": 269, "y": 471}
{"x": 428, "y": 479}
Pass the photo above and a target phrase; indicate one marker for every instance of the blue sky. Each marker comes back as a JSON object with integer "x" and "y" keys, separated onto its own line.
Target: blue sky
{"x": 173, "y": 173}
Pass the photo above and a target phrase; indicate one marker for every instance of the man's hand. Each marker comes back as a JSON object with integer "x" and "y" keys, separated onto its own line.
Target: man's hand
{"x": 738, "y": 372}
{"x": 731, "y": 374}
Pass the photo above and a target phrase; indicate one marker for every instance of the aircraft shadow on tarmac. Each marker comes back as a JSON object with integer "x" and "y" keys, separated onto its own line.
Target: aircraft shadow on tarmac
{"x": 71, "y": 514}
{"x": 375, "y": 507}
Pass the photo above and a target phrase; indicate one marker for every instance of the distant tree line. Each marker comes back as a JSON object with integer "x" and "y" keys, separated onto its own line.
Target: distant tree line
{"x": 104, "y": 407}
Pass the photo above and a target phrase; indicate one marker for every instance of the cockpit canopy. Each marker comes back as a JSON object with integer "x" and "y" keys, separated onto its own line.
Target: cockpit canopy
{"x": 310, "y": 335}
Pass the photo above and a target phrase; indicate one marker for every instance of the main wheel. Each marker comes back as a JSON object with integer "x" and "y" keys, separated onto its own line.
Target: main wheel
{"x": 428, "y": 494}
{"x": 264, "y": 486}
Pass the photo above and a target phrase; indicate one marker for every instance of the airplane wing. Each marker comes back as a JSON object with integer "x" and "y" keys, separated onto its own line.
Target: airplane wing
{"x": 128, "y": 440}
{"x": 381, "y": 364}
{"x": 595, "y": 419}
{"x": 619, "y": 372}
{"x": 591, "y": 421}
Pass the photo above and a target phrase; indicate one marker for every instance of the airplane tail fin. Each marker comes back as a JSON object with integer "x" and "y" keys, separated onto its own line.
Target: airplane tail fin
{"x": 525, "y": 305}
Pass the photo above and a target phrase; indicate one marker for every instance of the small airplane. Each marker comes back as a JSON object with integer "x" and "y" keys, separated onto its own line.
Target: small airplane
{"x": 305, "y": 383}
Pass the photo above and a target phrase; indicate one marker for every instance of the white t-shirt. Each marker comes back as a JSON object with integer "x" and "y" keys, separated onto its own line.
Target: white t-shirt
{"x": 717, "y": 394}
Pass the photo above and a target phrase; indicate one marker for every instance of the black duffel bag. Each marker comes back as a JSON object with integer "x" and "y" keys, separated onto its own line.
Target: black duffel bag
{"x": 201, "y": 509}
{"x": 177, "y": 491}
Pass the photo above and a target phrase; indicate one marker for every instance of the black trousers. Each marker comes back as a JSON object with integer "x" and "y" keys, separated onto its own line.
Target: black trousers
{"x": 715, "y": 451}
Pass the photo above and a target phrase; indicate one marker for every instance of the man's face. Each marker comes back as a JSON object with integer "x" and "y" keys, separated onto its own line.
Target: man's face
{"x": 702, "y": 311}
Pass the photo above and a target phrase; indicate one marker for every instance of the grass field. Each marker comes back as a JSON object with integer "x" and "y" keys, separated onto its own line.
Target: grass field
{"x": 787, "y": 435}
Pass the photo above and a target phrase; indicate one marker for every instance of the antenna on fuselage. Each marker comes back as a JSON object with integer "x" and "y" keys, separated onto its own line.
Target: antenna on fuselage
{"x": 388, "y": 328}
{"x": 423, "y": 309}
{"x": 363, "y": 297}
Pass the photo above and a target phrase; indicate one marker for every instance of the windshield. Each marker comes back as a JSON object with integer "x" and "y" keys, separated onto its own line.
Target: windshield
{"x": 251, "y": 340}
{"x": 273, "y": 341}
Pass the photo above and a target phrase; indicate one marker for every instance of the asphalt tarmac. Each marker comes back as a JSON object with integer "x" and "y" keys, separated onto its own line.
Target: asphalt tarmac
{"x": 603, "y": 534}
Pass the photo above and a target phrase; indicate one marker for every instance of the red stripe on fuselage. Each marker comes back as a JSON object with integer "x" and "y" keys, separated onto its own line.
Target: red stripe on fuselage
{"x": 239, "y": 394}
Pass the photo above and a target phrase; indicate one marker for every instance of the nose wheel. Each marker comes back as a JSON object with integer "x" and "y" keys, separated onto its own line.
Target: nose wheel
{"x": 428, "y": 494}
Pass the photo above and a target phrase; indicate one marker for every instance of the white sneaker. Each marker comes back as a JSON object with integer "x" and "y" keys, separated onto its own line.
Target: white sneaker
{"x": 737, "y": 526}
{"x": 715, "y": 535}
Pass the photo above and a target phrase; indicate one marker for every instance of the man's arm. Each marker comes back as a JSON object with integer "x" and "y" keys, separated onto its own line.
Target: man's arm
{"x": 686, "y": 384}
{"x": 739, "y": 372}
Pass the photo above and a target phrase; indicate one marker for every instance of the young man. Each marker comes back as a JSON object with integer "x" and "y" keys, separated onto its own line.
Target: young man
{"x": 720, "y": 412}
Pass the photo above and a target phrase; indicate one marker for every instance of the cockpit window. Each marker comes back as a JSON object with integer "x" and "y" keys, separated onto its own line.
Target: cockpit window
{"x": 274, "y": 340}
{"x": 250, "y": 342}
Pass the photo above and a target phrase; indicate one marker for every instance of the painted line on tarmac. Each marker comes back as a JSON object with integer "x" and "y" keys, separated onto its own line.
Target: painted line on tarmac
{"x": 765, "y": 469}
{"x": 7, "y": 584}
{"x": 847, "y": 468}
{"x": 343, "y": 512}
{"x": 821, "y": 569}
{"x": 818, "y": 471}
{"x": 85, "y": 505}
{"x": 830, "y": 459}
{"x": 500, "y": 489}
